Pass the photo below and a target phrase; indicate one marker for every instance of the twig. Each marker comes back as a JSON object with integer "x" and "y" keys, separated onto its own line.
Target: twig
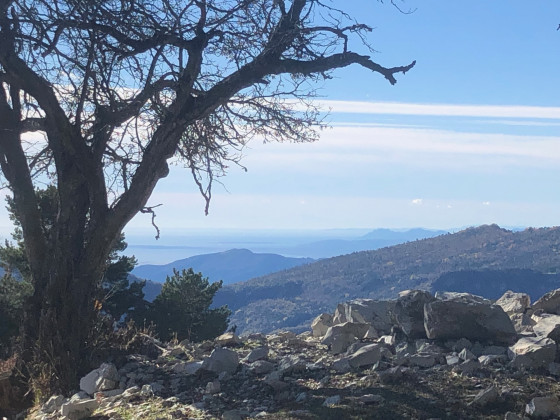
{"x": 151, "y": 211}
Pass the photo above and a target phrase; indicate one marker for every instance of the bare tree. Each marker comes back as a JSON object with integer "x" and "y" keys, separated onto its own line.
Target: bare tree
{"x": 99, "y": 96}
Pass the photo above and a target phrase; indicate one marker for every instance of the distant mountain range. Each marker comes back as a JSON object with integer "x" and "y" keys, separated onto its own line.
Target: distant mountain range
{"x": 302, "y": 243}
{"x": 230, "y": 266}
{"x": 488, "y": 258}
{"x": 238, "y": 265}
{"x": 377, "y": 238}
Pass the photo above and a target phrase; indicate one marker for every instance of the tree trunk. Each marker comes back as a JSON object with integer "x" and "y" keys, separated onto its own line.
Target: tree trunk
{"x": 58, "y": 319}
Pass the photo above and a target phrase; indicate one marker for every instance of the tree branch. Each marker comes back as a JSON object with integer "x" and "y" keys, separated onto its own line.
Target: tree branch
{"x": 346, "y": 59}
{"x": 33, "y": 124}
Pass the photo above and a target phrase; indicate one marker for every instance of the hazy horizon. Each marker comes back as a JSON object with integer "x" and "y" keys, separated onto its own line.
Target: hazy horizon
{"x": 289, "y": 243}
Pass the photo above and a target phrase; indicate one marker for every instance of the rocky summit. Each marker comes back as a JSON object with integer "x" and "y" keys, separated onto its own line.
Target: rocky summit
{"x": 424, "y": 356}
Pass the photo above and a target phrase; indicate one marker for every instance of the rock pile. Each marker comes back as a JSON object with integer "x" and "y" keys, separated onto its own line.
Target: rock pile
{"x": 452, "y": 355}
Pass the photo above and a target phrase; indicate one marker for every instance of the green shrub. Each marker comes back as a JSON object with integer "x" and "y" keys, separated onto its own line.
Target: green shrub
{"x": 182, "y": 309}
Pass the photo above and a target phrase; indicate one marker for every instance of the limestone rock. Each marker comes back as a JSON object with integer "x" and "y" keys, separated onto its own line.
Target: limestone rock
{"x": 321, "y": 324}
{"x": 377, "y": 313}
{"x": 188, "y": 368}
{"x": 409, "y": 312}
{"x": 514, "y": 303}
{"x": 489, "y": 359}
{"x": 147, "y": 391}
{"x": 456, "y": 318}
{"x": 339, "y": 337}
{"x": 342, "y": 365}
{"x": 222, "y": 360}
{"x": 549, "y": 303}
{"x": 462, "y": 297}
{"x": 468, "y": 367}
{"x": 232, "y": 415}
{"x": 523, "y": 323}
{"x": 368, "y": 355}
{"x": 372, "y": 333}
{"x": 452, "y": 359}
{"x": 77, "y": 410}
{"x": 261, "y": 367}
{"x": 466, "y": 354}
{"x": 213, "y": 387}
{"x": 394, "y": 375}
{"x": 103, "y": 378}
{"x": 274, "y": 380}
{"x": 486, "y": 397}
{"x": 53, "y": 404}
{"x": 422, "y": 360}
{"x": 548, "y": 326}
{"x": 228, "y": 339}
{"x": 532, "y": 352}
{"x": 281, "y": 337}
{"x": 259, "y": 353}
{"x": 292, "y": 363}
{"x": 543, "y": 407}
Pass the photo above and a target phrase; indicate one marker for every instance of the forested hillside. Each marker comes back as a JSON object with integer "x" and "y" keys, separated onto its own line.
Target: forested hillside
{"x": 229, "y": 266}
{"x": 289, "y": 299}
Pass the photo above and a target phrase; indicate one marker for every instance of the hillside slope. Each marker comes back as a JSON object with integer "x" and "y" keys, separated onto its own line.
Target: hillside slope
{"x": 230, "y": 266}
{"x": 375, "y": 239}
{"x": 290, "y": 299}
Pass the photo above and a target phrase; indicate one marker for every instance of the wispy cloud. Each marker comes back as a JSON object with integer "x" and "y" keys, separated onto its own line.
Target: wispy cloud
{"x": 487, "y": 111}
{"x": 366, "y": 144}
{"x": 521, "y": 122}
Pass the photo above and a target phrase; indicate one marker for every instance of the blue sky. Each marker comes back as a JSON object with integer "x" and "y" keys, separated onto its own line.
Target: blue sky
{"x": 470, "y": 136}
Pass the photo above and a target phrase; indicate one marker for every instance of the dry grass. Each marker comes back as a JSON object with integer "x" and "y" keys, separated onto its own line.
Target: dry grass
{"x": 6, "y": 366}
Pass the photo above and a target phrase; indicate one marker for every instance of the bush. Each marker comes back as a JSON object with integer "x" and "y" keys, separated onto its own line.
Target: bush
{"x": 182, "y": 308}
{"x": 13, "y": 293}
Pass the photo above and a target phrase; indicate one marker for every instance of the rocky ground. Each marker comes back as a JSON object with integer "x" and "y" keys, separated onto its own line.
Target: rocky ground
{"x": 348, "y": 367}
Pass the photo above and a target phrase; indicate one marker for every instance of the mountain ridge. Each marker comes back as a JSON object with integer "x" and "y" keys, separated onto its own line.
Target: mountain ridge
{"x": 230, "y": 266}
{"x": 291, "y": 298}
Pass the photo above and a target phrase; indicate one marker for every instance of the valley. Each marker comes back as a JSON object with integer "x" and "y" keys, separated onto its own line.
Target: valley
{"x": 485, "y": 260}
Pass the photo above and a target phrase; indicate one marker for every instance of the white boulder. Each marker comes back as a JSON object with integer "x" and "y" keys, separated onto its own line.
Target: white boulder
{"x": 467, "y": 318}
{"x": 103, "y": 378}
{"x": 81, "y": 409}
{"x": 369, "y": 355}
{"x": 462, "y": 297}
{"x": 548, "y": 326}
{"x": 339, "y": 337}
{"x": 549, "y": 303}
{"x": 228, "y": 339}
{"x": 409, "y": 312}
{"x": 321, "y": 324}
{"x": 514, "y": 303}
{"x": 221, "y": 360}
{"x": 532, "y": 352}
{"x": 377, "y": 313}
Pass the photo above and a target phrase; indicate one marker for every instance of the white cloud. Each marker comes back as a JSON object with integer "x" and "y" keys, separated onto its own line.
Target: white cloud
{"x": 359, "y": 145}
{"x": 417, "y": 201}
{"x": 488, "y": 111}
{"x": 486, "y": 203}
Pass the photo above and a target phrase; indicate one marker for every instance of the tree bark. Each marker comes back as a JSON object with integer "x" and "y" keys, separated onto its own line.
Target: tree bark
{"x": 58, "y": 319}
